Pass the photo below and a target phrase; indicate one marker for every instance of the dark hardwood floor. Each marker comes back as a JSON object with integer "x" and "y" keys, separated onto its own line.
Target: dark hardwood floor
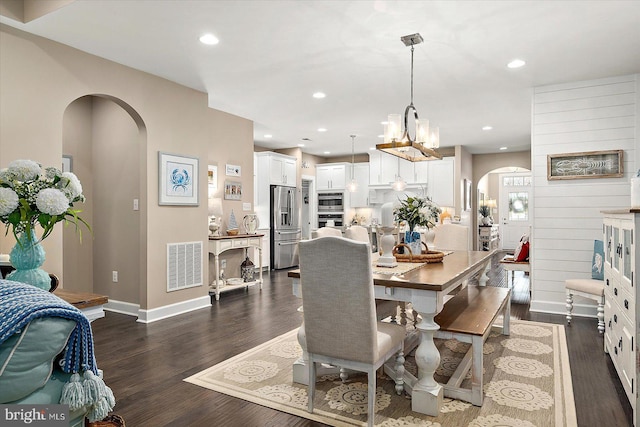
{"x": 145, "y": 364}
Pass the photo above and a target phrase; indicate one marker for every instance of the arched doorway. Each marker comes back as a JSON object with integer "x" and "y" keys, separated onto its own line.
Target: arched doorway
{"x": 106, "y": 139}
{"x": 506, "y": 193}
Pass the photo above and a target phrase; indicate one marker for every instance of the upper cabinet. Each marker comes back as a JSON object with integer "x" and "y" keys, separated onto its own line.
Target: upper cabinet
{"x": 441, "y": 175}
{"x": 384, "y": 168}
{"x": 331, "y": 176}
{"x": 281, "y": 169}
{"x": 360, "y": 198}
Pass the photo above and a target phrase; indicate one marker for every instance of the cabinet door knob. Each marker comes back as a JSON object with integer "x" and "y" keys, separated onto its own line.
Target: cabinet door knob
{"x": 615, "y": 318}
{"x": 626, "y": 304}
{"x": 607, "y": 282}
{"x": 615, "y": 291}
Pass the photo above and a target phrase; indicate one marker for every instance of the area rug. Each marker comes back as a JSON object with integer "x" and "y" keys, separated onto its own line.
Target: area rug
{"x": 527, "y": 383}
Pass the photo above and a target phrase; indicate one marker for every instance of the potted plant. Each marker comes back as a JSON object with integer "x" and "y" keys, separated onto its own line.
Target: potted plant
{"x": 485, "y": 211}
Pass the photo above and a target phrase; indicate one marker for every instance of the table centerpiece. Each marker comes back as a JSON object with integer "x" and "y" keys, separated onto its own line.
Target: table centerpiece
{"x": 31, "y": 195}
{"x": 416, "y": 212}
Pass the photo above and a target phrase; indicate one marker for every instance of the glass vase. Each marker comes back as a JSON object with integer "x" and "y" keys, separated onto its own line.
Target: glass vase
{"x": 26, "y": 257}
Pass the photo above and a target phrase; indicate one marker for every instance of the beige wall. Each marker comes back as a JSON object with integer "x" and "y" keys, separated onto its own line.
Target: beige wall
{"x": 39, "y": 79}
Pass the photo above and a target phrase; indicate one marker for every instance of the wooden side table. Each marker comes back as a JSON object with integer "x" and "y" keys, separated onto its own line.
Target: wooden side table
{"x": 92, "y": 305}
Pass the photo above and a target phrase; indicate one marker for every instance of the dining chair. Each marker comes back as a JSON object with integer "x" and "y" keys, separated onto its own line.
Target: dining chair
{"x": 337, "y": 283}
{"x": 453, "y": 237}
{"x": 325, "y": 232}
{"x": 357, "y": 232}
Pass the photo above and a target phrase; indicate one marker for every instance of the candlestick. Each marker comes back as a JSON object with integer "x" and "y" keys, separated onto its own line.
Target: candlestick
{"x": 387, "y": 215}
{"x": 387, "y": 242}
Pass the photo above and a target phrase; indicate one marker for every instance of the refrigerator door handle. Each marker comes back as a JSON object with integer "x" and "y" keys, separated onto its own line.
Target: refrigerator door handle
{"x": 287, "y": 243}
{"x": 288, "y": 232}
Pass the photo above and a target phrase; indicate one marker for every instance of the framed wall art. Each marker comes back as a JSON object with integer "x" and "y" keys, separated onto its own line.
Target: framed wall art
{"x": 233, "y": 170}
{"x": 178, "y": 179}
{"x": 232, "y": 190}
{"x": 212, "y": 178}
{"x": 587, "y": 164}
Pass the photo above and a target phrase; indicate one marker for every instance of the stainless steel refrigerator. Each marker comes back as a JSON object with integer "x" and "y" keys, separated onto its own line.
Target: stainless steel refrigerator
{"x": 285, "y": 226}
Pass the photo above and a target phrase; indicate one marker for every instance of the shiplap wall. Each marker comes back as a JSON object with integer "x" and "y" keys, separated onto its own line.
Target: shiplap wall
{"x": 568, "y": 118}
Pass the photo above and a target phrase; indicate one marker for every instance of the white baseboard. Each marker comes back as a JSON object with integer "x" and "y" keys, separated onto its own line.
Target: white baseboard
{"x": 148, "y": 316}
{"x": 552, "y": 307}
{"x": 122, "y": 307}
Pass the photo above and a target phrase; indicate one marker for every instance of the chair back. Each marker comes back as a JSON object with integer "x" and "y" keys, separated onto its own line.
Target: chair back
{"x": 325, "y": 232}
{"x": 358, "y": 233}
{"x": 454, "y": 237}
{"x": 337, "y": 286}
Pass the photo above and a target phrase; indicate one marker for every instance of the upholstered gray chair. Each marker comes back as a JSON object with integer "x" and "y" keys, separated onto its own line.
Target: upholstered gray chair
{"x": 453, "y": 237}
{"x": 357, "y": 232}
{"x": 326, "y": 231}
{"x": 337, "y": 283}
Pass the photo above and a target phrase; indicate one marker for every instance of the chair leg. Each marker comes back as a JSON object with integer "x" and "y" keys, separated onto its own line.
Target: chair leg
{"x": 569, "y": 306}
{"x": 344, "y": 376}
{"x": 399, "y": 368}
{"x": 311, "y": 391}
{"x": 601, "y": 315}
{"x": 371, "y": 397}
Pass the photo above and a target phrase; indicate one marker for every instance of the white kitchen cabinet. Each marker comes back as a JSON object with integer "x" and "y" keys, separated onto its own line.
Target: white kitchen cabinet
{"x": 383, "y": 169}
{"x": 270, "y": 168}
{"x": 441, "y": 175}
{"x": 360, "y": 198}
{"x": 282, "y": 170}
{"x": 266, "y": 252}
{"x": 331, "y": 176}
{"x": 622, "y": 255}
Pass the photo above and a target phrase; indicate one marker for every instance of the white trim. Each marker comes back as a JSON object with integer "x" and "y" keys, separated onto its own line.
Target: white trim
{"x": 122, "y": 307}
{"x": 148, "y": 316}
{"x": 579, "y": 310}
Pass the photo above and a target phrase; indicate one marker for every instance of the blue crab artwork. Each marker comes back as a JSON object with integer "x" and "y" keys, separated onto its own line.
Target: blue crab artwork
{"x": 180, "y": 179}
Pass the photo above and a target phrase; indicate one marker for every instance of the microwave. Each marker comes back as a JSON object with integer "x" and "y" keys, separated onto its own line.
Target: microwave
{"x": 331, "y": 202}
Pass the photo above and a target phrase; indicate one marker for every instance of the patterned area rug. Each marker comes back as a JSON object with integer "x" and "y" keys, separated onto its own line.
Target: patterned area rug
{"x": 527, "y": 383}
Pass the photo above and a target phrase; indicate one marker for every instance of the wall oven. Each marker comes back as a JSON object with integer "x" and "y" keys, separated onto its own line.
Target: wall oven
{"x": 331, "y": 202}
{"x": 338, "y": 219}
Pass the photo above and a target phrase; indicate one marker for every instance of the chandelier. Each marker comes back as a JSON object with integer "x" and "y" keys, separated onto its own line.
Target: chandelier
{"x": 397, "y": 140}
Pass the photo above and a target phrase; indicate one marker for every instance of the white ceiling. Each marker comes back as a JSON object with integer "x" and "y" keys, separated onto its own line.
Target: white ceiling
{"x": 273, "y": 55}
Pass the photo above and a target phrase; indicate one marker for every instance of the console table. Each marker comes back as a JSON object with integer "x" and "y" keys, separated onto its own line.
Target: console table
{"x": 488, "y": 236}
{"x": 92, "y": 305}
{"x": 220, "y": 244}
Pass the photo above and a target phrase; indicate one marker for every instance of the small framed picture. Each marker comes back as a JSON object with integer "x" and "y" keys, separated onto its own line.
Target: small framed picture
{"x": 232, "y": 190}
{"x": 233, "y": 170}
{"x": 178, "y": 180}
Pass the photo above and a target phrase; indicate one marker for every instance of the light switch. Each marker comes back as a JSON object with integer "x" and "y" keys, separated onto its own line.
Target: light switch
{"x": 136, "y": 205}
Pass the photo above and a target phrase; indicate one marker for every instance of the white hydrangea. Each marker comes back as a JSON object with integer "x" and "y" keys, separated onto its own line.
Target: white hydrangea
{"x": 25, "y": 170}
{"x": 4, "y": 176}
{"x": 52, "y": 201}
{"x": 8, "y": 201}
{"x": 70, "y": 185}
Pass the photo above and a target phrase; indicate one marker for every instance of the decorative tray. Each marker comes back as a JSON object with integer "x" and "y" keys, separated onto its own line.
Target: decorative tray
{"x": 425, "y": 256}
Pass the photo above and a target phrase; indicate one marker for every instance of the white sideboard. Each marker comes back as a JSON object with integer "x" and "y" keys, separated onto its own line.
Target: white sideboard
{"x": 622, "y": 255}
{"x": 219, "y": 244}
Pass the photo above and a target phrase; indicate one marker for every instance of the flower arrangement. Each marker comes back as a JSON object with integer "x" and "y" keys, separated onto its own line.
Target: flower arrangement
{"x": 31, "y": 195}
{"x": 417, "y": 211}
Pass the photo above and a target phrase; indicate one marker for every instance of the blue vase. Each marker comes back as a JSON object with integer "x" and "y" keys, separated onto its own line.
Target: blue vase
{"x": 412, "y": 239}
{"x": 26, "y": 257}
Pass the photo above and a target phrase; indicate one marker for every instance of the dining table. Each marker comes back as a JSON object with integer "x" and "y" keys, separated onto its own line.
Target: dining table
{"x": 427, "y": 287}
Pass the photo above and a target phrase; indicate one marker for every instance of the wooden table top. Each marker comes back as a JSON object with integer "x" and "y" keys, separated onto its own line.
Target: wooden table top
{"x": 81, "y": 299}
{"x": 434, "y": 277}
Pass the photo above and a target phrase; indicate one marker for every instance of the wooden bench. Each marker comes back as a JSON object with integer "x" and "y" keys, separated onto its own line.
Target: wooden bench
{"x": 509, "y": 265}
{"x": 468, "y": 317}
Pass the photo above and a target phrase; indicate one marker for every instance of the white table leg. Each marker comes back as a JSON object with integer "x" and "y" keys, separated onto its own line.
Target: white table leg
{"x": 484, "y": 278}
{"x": 217, "y": 258}
{"x": 260, "y": 263}
{"x": 427, "y": 393}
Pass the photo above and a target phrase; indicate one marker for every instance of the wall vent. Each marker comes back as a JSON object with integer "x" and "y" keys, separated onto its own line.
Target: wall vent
{"x": 184, "y": 265}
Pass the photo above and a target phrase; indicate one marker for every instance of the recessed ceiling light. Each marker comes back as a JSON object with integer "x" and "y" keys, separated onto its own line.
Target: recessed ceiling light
{"x": 209, "y": 39}
{"x": 319, "y": 95}
{"x": 516, "y": 63}
{"x": 322, "y": 130}
{"x": 268, "y": 136}
{"x": 384, "y": 123}
{"x": 327, "y": 152}
{"x": 380, "y": 136}
{"x": 372, "y": 148}
{"x": 503, "y": 148}
{"x": 487, "y": 127}
{"x": 300, "y": 145}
